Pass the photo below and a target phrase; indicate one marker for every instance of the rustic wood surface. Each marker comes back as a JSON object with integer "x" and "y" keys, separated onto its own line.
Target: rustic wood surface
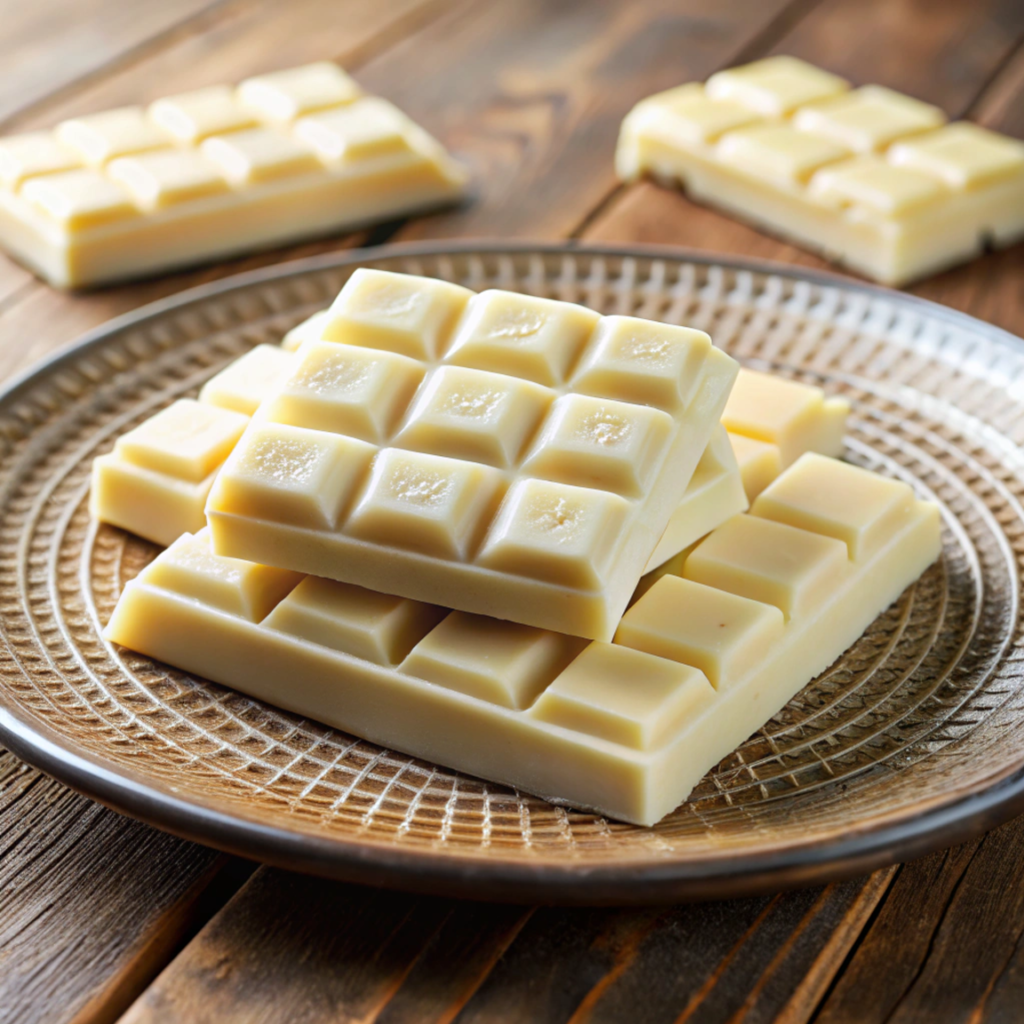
{"x": 104, "y": 919}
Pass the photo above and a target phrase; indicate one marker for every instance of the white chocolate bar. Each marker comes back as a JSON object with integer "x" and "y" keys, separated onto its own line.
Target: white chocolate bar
{"x": 699, "y": 662}
{"x": 770, "y": 421}
{"x": 495, "y": 452}
{"x": 867, "y": 177}
{"x": 211, "y": 174}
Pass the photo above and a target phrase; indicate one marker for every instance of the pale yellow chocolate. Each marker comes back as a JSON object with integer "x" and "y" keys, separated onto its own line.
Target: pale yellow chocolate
{"x": 715, "y": 492}
{"x": 148, "y": 485}
{"x": 144, "y": 485}
{"x": 868, "y": 177}
{"x": 494, "y": 452}
{"x": 759, "y": 463}
{"x": 161, "y": 504}
{"x": 213, "y": 173}
{"x": 310, "y": 329}
{"x": 704, "y": 658}
{"x": 794, "y": 417}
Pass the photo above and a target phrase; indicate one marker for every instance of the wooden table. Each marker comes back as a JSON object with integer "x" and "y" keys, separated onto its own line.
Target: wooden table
{"x": 103, "y": 918}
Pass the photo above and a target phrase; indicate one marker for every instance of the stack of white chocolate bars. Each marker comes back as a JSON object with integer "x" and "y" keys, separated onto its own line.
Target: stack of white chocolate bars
{"x": 584, "y": 556}
{"x": 213, "y": 173}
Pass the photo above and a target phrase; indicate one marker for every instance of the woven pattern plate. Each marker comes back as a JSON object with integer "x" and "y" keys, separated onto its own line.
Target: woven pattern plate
{"x": 913, "y": 738}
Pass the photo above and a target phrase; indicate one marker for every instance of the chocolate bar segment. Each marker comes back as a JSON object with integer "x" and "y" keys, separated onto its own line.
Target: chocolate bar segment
{"x": 497, "y": 482}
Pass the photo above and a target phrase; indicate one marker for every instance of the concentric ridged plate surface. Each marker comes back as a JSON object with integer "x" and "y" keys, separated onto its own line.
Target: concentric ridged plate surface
{"x": 913, "y": 738}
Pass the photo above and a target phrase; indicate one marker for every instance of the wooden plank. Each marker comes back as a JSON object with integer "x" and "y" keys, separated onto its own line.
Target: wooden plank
{"x": 294, "y": 948}
{"x": 768, "y": 958}
{"x": 91, "y": 904}
{"x": 1006, "y": 993}
{"x": 540, "y": 91}
{"x": 898, "y": 941}
{"x": 305, "y": 950}
{"x": 999, "y": 106}
{"x": 947, "y": 942}
{"x": 239, "y": 39}
{"x": 14, "y": 284}
{"x": 44, "y": 47}
{"x": 453, "y": 963}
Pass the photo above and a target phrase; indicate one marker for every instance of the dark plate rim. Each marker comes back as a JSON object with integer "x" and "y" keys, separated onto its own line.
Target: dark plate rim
{"x": 493, "y": 877}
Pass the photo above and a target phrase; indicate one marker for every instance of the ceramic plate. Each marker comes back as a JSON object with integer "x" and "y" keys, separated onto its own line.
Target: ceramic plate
{"x": 913, "y": 739}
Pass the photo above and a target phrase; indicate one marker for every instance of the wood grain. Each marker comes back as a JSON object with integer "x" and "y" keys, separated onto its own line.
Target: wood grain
{"x": 91, "y": 904}
{"x": 540, "y": 93}
{"x": 891, "y": 954}
{"x": 999, "y": 106}
{"x": 947, "y": 942}
{"x": 294, "y": 948}
{"x": 291, "y": 948}
{"x": 43, "y": 50}
{"x": 238, "y": 39}
{"x": 768, "y": 958}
